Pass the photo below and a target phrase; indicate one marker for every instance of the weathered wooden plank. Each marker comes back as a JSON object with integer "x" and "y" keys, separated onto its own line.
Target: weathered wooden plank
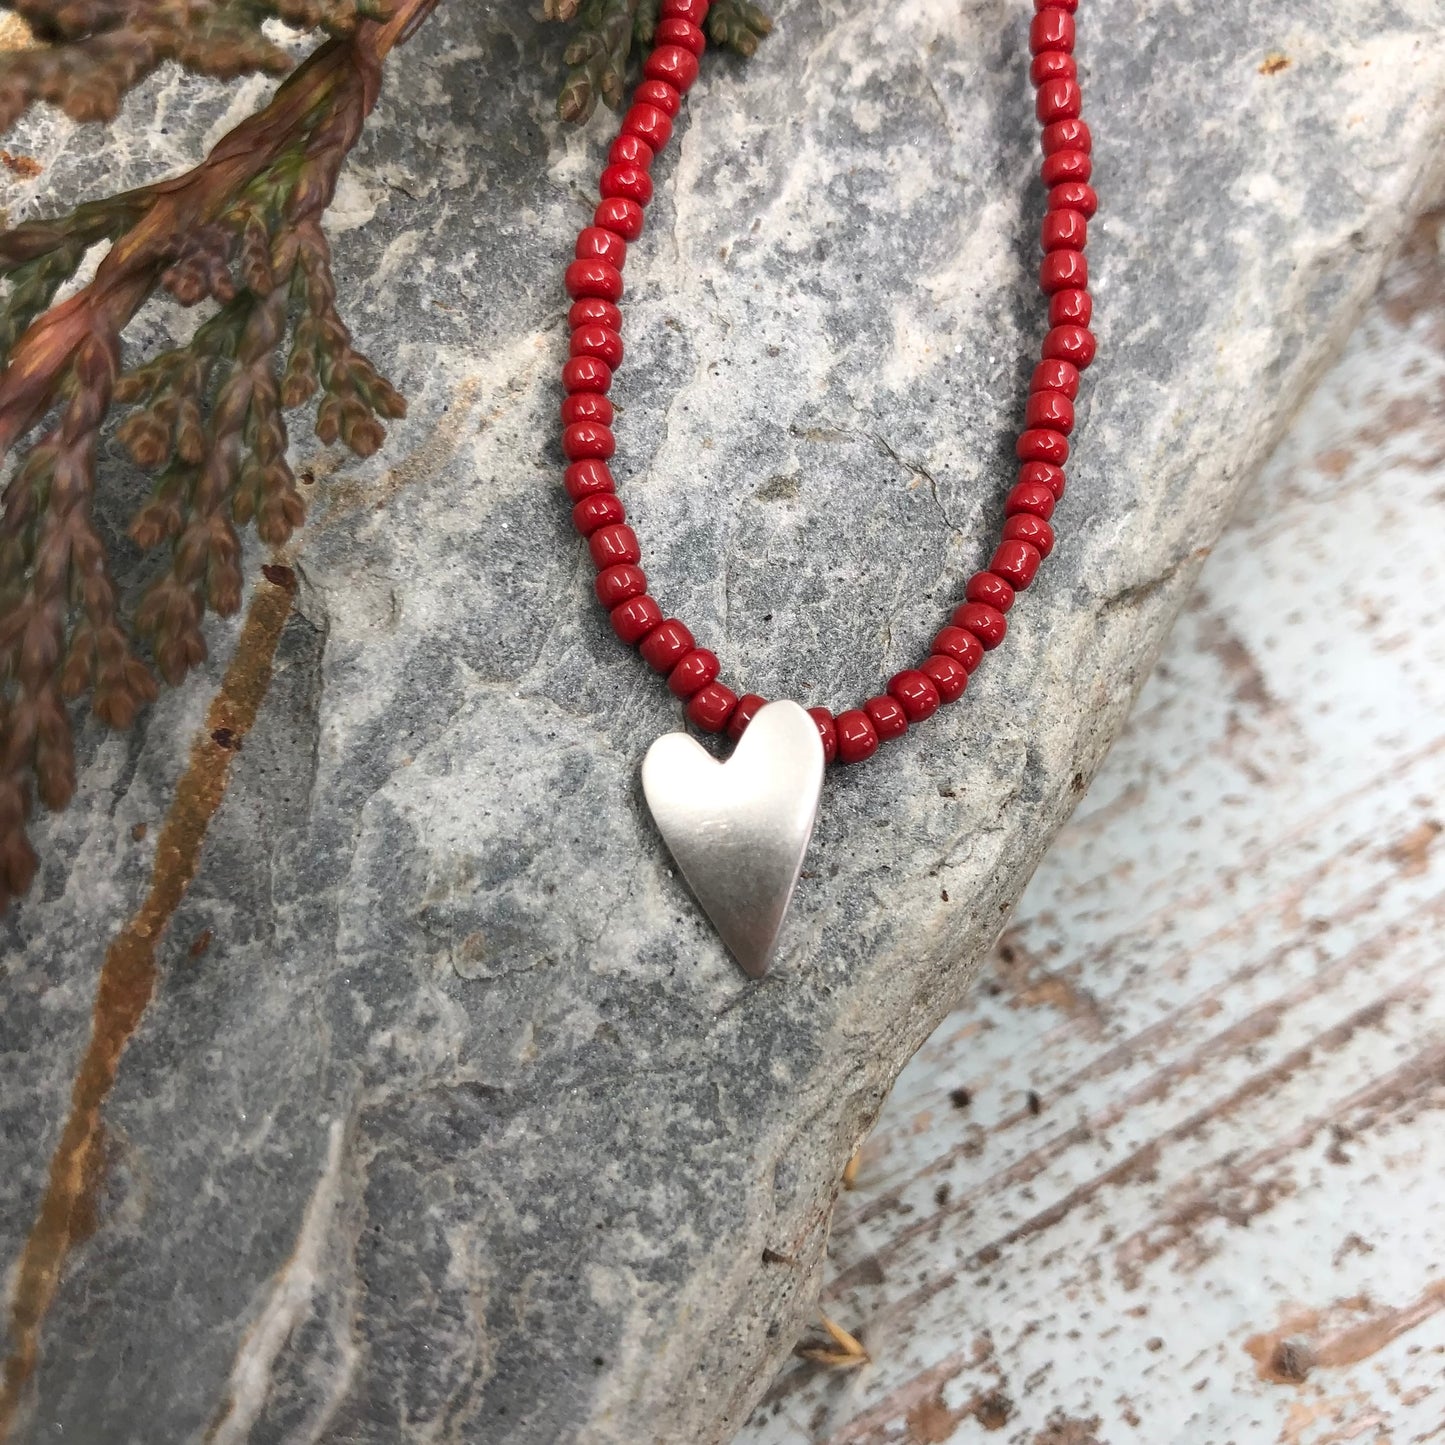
{"x": 1173, "y": 1172}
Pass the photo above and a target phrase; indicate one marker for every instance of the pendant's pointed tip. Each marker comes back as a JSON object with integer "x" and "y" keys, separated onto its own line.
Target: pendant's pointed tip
{"x": 755, "y": 968}
{"x": 755, "y": 960}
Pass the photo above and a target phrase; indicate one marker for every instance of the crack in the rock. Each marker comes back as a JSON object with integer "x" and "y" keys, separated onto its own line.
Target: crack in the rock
{"x": 1137, "y": 592}
{"x": 918, "y": 470}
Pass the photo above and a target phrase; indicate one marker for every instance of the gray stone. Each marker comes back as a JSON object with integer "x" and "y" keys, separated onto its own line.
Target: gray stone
{"x": 464, "y": 1127}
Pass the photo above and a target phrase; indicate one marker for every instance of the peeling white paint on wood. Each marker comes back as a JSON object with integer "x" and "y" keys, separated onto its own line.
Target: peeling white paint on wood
{"x": 1174, "y": 1171}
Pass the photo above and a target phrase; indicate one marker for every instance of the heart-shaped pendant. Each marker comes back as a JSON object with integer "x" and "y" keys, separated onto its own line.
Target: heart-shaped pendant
{"x": 739, "y": 829}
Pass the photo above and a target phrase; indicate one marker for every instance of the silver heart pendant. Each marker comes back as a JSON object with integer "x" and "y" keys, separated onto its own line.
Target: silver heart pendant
{"x": 739, "y": 829}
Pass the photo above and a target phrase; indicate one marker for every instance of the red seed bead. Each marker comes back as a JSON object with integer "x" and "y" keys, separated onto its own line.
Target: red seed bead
{"x": 649, "y": 124}
{"x": 1016, "y": 561}
{"x": 1052, "y": 65}
{"x": 616, "y": 585}
{"x": 632, "y": 150}
{"x": 673, "y": 65}
{"x": 1069, "y": 5}
{"x": 1063, "y": 271}
{"x": 584, "y": 478}
{"x": 666, "y": 98}
{"x": 827, "y": 731}
{"x": 598, "y": 341}
{"x": 1046, "y": 474}
{"x": 1073, "y": 196}
{"x": 712, "y": 706}
{"x": 857, "y": 738}
{"x": 586, "y": 373}
{"x": 619, "y": 214}
{"x": 1041, "y": 444}
{"x": 1066, "y": 166}
{"x": 1071, "y": 308}
{"x": 593, "y": 278}
{"x": 1066, "y": 135}
{"x": 986, "y": 623}
{"x": 666, "y": 645}
{"x": 1064, "y": 231}
{"x": 695, "y": 12}
{"x": 633, "y": 620}
{"x": 673, "y": 31}
{"x": 1050, "y": 409}
{"x": 1033, "y": 530}
{"x": 888, "y": 717}
{"x": 697, "y": 668}
{"x": 915, "y": 693}
{"x": 595, "y": 244}
{"x": 611, "y": 545}
{"x": 1073, "y": 344}
{"x": 1056, "y": 376}
{"x": 1058, "y": 100}
{"x": 586, "y": 406}
{"x": 587, "y": 439}
{"x": 632, "y": 183}
{"x": 962, "y": 646}
{"x": 1030, "y": 498}
{"x": 989, "y": 588}
{"x": 743, "y": 714}
{"x": 594, "y": 311}
{"x": 1051, "y": 29}
{"x": 601, "y": 509}
{"x": 947, "y": 674}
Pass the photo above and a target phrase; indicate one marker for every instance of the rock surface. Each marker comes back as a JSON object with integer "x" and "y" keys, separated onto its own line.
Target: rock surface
{"x": 432, "y": 1111}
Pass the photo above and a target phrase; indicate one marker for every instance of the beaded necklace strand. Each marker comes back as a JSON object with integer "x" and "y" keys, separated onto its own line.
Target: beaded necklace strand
{"x": 979, "y": 623}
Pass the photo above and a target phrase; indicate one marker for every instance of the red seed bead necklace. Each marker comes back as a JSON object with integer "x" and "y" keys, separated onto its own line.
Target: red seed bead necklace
{"x": 594, "y": 281}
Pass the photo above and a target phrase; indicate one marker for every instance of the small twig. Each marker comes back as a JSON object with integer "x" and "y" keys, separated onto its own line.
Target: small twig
{"x": 846, "y": 1351}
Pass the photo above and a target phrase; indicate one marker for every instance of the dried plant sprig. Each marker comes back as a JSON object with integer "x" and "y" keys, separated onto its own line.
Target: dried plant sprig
{"x": 597, "y": 58}
{"x": 242, "y": 230}
{"x": 59, "y": 631}
{"x": 92, "y": 52}
{"x": 606, "y": 32}
{"x": 737, "y": 25}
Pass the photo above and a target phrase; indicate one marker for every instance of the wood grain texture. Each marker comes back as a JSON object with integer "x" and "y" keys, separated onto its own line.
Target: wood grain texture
{"x": 1174, "y": 1171}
